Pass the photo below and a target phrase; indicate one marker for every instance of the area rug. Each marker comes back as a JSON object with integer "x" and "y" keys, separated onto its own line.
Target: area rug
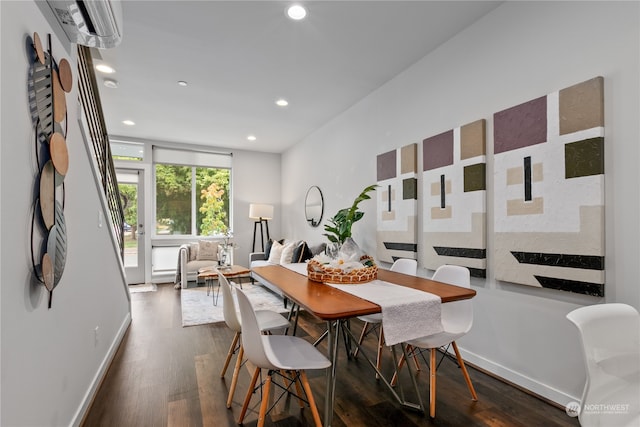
{"x": 198, "y": 308}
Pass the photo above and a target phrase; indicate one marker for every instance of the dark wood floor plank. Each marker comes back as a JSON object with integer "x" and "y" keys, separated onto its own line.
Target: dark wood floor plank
{"x": 167, "y": 375}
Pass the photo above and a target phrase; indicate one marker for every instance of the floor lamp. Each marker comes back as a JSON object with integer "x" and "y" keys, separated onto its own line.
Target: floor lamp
{"x": 260, "y": 213}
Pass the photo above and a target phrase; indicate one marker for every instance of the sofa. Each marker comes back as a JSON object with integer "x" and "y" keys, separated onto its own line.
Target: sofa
{"x": 194, "y": 256}
{"x": 285, "y": 251}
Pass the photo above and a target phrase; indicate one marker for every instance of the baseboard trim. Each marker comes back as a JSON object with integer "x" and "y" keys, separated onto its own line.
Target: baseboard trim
{"x": 528, "y": 385}
{"x": 90, "y": 395}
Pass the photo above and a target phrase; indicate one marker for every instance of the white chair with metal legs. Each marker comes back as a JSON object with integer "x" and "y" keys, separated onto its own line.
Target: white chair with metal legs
{"x": 277, "y": 354}
{"x": 373, "y": 322}
{"x": 457, "y": 319}
{"x": 610, "y": 336}
{"x": 268, "y": 320}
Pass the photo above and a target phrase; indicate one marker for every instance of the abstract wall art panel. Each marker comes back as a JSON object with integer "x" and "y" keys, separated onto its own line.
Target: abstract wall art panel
{"x": 549, "y": 194}
{"x": 49, "y": 82}
{"x": 397, "y": 196}
{"x": 454, "y": 199}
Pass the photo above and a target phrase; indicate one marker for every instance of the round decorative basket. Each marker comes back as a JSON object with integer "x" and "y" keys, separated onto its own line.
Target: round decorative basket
{"x": 327, "y": 274}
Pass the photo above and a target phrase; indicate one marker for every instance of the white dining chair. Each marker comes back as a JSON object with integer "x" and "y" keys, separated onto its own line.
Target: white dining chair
{"x": 457, "y": 319}
{"x": 277, "y": 354}
{"x": 610, "y": 337}
{"x": 373, "y": 322}
{"x": 268, "y": 321}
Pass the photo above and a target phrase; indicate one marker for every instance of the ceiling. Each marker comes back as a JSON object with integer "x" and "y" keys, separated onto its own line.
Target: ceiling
{"x": 238, "y": 57}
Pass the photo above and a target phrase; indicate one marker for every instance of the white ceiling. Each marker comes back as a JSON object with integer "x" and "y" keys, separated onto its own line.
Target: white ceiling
{"x": 238, "y": 57}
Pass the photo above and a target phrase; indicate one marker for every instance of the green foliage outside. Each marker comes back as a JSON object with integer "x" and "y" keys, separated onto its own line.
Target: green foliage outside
{"x": 213, "y": 187}
{"x": 339, "y": 227}
{"x": 129, "y": 199}
{"x": 116, "y": 157}
{"x": 173, "y": 200}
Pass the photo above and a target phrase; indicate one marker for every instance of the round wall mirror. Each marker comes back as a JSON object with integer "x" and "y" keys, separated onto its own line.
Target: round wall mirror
{"x": 314, "y": 206}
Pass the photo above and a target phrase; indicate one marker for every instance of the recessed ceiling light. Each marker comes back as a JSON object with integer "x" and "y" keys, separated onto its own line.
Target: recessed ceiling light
{"x": 282, "y": 102}
{"x": 296, "y": 12}
{"x": 182, "y": 83}
{"x": 252, "y": 138}
{"x": 128, "y": 122}
{"x": 110, "y": 83}
{"x": 105, "y": 69}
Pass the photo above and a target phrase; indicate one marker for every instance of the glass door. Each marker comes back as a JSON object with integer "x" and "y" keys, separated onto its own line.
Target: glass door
{"x": 130, "y": 184}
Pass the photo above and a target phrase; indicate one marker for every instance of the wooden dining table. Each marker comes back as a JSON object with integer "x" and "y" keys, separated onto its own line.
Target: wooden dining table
{"x": 336, "y": 307}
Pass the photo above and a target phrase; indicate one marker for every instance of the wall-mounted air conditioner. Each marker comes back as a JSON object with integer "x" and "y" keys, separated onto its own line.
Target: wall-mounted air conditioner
{"x": 94, "y": 23}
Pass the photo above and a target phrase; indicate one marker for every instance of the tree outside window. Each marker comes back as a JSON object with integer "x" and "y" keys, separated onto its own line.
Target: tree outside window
{"x": 212, "y": 185}
{"x": 129, "y": 200}
{"x": 184, "y": 193}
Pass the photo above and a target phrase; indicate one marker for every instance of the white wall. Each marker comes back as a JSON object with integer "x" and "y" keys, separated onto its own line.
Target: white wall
{"x": 256, "y": 179}
{"x": 50, "y": 359}
{"x": 519, "y": 51}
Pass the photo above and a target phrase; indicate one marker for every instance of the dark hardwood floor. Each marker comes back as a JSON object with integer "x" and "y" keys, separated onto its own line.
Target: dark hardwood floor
{"x": 167, "y": 375}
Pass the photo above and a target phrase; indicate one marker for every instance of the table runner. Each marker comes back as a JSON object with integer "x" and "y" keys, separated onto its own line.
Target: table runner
{"x": 406, "y": 313}
{"x": 298, "y": 267}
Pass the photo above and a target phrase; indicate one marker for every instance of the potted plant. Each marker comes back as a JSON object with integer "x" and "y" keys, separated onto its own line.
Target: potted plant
{"x": 339, "y": 227}
{"x": 343, "y": 261}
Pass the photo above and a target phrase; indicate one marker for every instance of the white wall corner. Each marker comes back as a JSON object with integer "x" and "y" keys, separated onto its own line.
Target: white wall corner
{"x": 104, "y": 367}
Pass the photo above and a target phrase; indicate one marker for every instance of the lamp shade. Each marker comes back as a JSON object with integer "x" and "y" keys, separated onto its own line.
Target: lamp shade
{"x": 257, "y": 211}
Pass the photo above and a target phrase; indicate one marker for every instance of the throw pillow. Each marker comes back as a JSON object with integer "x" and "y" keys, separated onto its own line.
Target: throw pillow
{"x": 276, "y": 252}
{"x": 267, "y": 247}
{"x": 301, "y": 253}
{"x": 193, "y": 251}
{"x": 287, "y": 252}
{"x": 207, "y": 250}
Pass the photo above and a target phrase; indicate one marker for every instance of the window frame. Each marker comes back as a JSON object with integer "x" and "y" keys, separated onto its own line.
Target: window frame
{"x": 186, "y": 158}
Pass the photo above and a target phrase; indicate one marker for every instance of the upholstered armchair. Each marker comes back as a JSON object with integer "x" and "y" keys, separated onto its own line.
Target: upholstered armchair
{"x": 194, "y": 256}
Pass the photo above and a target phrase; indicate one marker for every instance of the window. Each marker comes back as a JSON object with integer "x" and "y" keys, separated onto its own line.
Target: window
{"x": 127, "y": 150}
{"x": 191, "y": 199}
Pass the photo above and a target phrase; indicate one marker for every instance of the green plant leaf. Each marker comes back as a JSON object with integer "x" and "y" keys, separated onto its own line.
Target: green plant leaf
{"x": 342, "y": 221}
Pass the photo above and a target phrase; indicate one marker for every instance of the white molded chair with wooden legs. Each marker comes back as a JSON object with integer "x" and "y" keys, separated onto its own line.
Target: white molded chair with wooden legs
{"x": 268, "y": 321}
{"x": 373, "y": 322}
{"x": 277, "y": 353}
{"x": 457, "y": 319}
{"x": 610, "y": 336}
